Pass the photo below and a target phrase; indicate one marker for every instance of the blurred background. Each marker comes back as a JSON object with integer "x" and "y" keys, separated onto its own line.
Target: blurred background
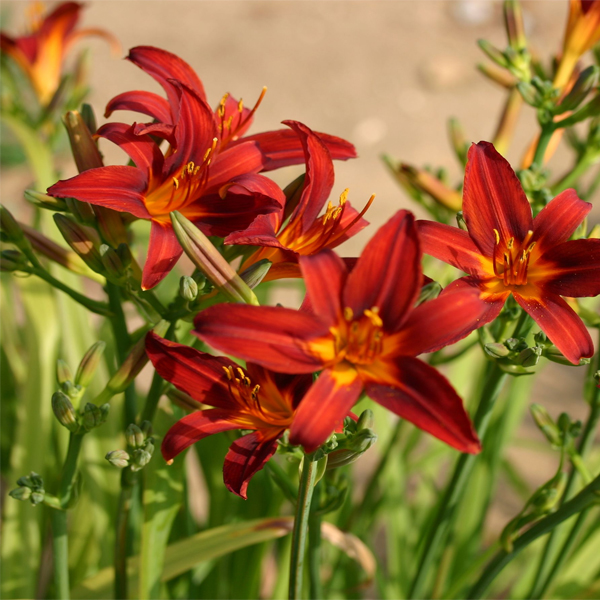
{"x": 385, "y": 75}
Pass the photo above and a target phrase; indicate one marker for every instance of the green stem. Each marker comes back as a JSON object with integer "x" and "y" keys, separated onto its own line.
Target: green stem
{"x": 128, "y": 480}
{"x": 67, "y": 479}
{"x": 154, "y": 394}
{"x": 100, "y": 308}
{"x": 587, "y": 160}
{"x": 454, "y": 491}
{"x": 305, "y": 492}
{"x": 314, "y": 546}
{"x": 545, "y": 136}
{"x": 585, "y": 499}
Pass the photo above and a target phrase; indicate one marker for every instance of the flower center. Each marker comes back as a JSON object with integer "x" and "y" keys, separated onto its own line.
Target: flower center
{"x": 359, "y": 340}
{"x": 511, "y": 259}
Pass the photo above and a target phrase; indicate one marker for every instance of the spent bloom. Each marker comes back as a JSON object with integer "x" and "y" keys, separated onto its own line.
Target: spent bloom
{"x": 249, "y": 399}
{"x": 507, "y": 251}
{"x": 363, "y": 333}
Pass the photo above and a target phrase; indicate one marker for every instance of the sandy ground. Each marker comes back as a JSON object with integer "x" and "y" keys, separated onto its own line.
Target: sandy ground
{"x": 385, "y": 75}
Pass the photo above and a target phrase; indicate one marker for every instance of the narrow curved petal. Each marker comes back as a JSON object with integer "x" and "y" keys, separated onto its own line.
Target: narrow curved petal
{"x": 146, "y": 103}
{"x": 279, "y": 391}
{"x": 421, "y": 395}
{"x": 142, "y": 150}
{"x": 324, "y": 275}
{"x": 453, "y": 246}
{"x": 234, "y": 162}
{"x": 163, "y": 252}
{"x": 194, "y": 427}
{"x": 558, "y": 220}
{"x": 245, "y": 458}
{"x": 319, "y": 178}
{"x": 198, "y": 374}
{"x": 572, "y": 269}
{"x": 282, "y": 148}
{"x": 458, "y": 311}
{"x": 388, "y": 273}
{"x": 163, "y": 66}
{"x": 493, "y": 199}
{"x": 261, "y": 232}
{"x": 326, "y": 404}
{"x": 276, "y": 338}
{"x": 116, "y": 187}
{"x": 560, "y": 323}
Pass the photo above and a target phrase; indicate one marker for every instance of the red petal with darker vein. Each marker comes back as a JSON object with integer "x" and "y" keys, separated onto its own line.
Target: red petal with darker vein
{"x": 119, "y": 188}
{"x": 142, "y": 150}
{"x": 572, "y": 269}
{"x": 493, "y": 199}
{"x": 273, "y": 337}
{"x": 319, "y": 175}
{"x": 454, "y": 314}
{"x": 324, "y": 406}
{"x": 261, "y": 232}
{"x": 282, "y": 148}
{"x": 198, "y": 374}
{"x": 452, "y": 245}
{"x": 163, "y": 66}
{"x": 245, "y": 458}
{"x": 163, "y": 252}
{"x": 424, "y": 397}
{"x": 557, "y": 221}
{"x": 324, "y": 275}
{"x": 146, "y": 103}
{"x": 560, "y": 323}
{"x": 388, "y": 272}
{"x": 193, "y": 428}
{"x": 234, "y": 162}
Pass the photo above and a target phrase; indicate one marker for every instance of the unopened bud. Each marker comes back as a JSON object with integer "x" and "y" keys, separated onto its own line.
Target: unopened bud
{"x": 497, "y": 75}
{"x": 254, "y": 274}
{"x": 45, "y": 201}
{"x": 586, "y": 82}
{"x": 94, "y": 416}
{"x": 25, "y": 481}
{"x": 146, "y": 427}
{"x": 293, "y": 194}
{"x": 139, "y": 459}
{"x": 493, "y": 53}
{"x": 541, "y": 339}
{"x": 12, "y": 230}
{"x": 546, "y": 424}
{"x": 124, "y": 253}
{"x": 112, "y": 263}
{"x": 553, "y": 354}
{"x": 64, "y": 411}
{"x": 134, "y": 436}
{"x": 118, "y": 458}
{"x": 89, "y": 117}
{"x": 516, "y": 344}
{"x": 182, "y": 400}
{"x": 37, "y": 498}
{"x": 513, "y": 18}
{"x": 188, "y": 288}
{"x": 429, "y": 291}
{"x": 84, "y": 240}
{"x": 71, "y": 390}
{"x": 85, "y": 151}
{"x": 12, "y": 260}
{"x": 424, "y": 181}
{"x": 497, "y": 350}
{"x": 20, "y": 493}
{"x": 530, "y": 356}
{"x": 458, "y": 140}
{"x": 594, "y": 233}
{"x": 353, "y": 449}
{"x": 590, "y": 110}
{"x": 207, "y": 258}
{"x": 366, "y": 420}
{"x": 63, "y": 372}
{"x": 82, "y": 211}
{"x": 89, "y": 363}
{"x": 111, "y": 226}
{"x": 529, "y": 93}
{"x": 550, "y": 494}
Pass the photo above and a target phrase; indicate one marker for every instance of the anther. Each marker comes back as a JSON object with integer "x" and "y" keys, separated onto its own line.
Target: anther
{"x": 497, "y": 236}
{"x": 510, "y": 243}
{"x": 348, "y": 314}
{"x": 176, "y": 183}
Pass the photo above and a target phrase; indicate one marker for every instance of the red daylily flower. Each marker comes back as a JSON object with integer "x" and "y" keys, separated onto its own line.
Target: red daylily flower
{"x": 506, "y": 251}
{"x": 252, "y": 398}
{"x": 220, "y": 192}
{"x": 277, "y": 148}
{"x": 363, "y": 333}
{"x": 304, "y": 233}
{"x": 41, "y": 53}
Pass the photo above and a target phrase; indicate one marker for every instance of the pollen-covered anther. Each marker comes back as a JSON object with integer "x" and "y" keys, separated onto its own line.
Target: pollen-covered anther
{"x": 348, "y": 314}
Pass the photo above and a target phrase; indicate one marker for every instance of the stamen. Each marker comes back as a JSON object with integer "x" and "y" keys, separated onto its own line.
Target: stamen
{"x": 497, "y": 236}
{"x": 373, "y": 316}
{"x": 176, "y": 183}
{"x": 510, "y": 243}
{"x": 228, "y": 372}
{"x": 348, "y": 314}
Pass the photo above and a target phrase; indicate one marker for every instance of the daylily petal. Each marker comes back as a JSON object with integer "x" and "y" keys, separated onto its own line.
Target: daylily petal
{"x": 233, "y": 162}
{"x": 452, "y": 245}
{"x": 319, "y": 178}
{"x": 142, "y": 150}
{"x": 231, "y": 110}
{"x": 388, "y": 273}
{"x": 198, "y": 374}
{"x": 572, "y": 268}
{"x": 146, "y": 103}
{"x": 324, "y": 406}
{"x": 261, "y": 232}
{"x": 245, "y": 458}
{"x": 324, "y": 275}
{"x": 557, "y": 221}
{"x": 279, "y": 387}
{"x": 349, "y": 224}
{"x": 421, "y": 395}
{"x": 163, "y": 252}
{"x": 282, "y": 148}
{"x": 116, "y": 187}
{"x": 274, "y": 337}
{"x": 194, "y": 427}
{"x": 560, "y": 323}
{"x": 454, "y": 314}
{"x": 493, "y": 199}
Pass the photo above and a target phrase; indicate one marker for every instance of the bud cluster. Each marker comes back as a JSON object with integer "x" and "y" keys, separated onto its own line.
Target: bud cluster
{"x": 140, "y": 447}
{"x": 31, "y": 487}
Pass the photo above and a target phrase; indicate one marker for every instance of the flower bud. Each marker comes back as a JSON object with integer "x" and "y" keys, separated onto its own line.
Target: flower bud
{"x": 586, "y": 82}
{"x": 429, "y": 291}
{"x": 496, "y": 350}
{"x": 458, "y": 140}
{"x": 25, "y": 481}
{"x": 134, "y": 436}
{"x": 188, "y": 288}
{"x": 426, "y": 182}
{"x": 71, "y": 390}
{"x": 112, "y": 263}
{"x": 63, "y": 372}
{"x": 541, "y": 339}
{"x": 37, "y": 498}
{"x": 146, "y": 427}
{"x": 356, "y": 445}
{"x": 83, "y": 240}
{"x": 13, "y": 260}
{"x": 207, "y": 258}
{"x": 366, "y": 420}
{"x": 45, "y": 201}
{"x": 118, "y": 458}
{"x": 20, "y": 493}
{"x": 111, "y": 226}
{"x": 529, "y": 93}
{"x": 12, "y": 230}
{"x": 64, "y": 411}
{"x": 515, "y": 29}
{"x": 139, "y": 459}
{"x": 94, "y": 416}
{"x": 81, "y": 211}
{"x": 89, "y": 117}
{"x": 254, "y": 274}
{"x": 546, "y": 424}
{"x": 529, "y": 357}
{"x": 500, "y": 76}
{"x": 549, "y": 495}
{"x": 85, "y": 151}
{"x": 590, "y": 110}
{"x": 552, "y": 353}
{"x": 124, "y": 253}
{"x": 516, "y": 344}
{"x": 183, "y": 400}
{"x": 89, "y": 363}
{"x": 594, "y": 233}
{"x": 493, "y": 53}
{"x": 293, "y": 194}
